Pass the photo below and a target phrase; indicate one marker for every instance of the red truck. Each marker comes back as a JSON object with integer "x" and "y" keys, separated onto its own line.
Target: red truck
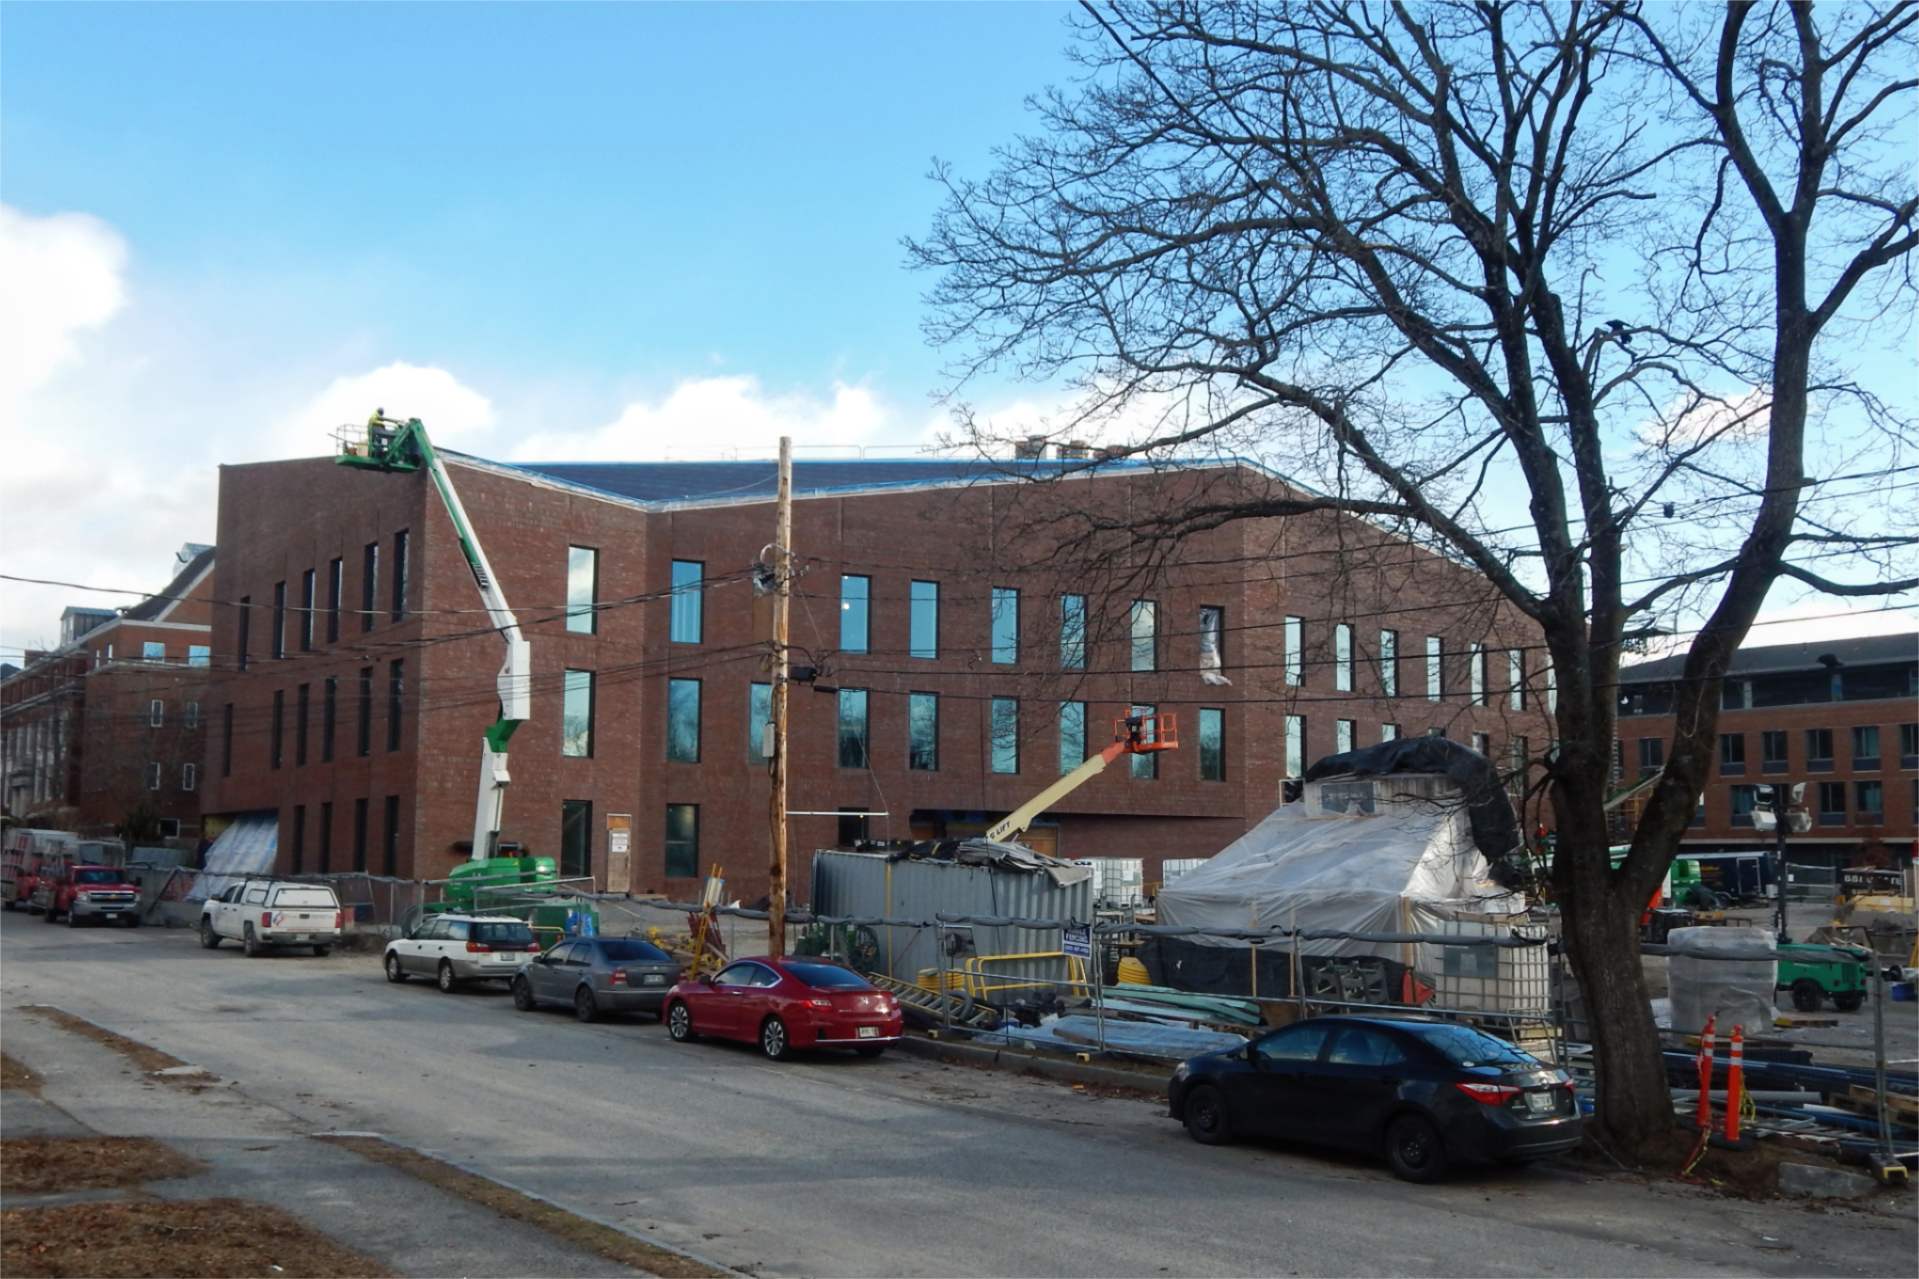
{"x": 86, "y": 892}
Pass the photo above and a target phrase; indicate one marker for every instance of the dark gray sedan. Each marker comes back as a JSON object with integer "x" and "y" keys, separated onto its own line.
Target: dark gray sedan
{"x": 598, "y": 975}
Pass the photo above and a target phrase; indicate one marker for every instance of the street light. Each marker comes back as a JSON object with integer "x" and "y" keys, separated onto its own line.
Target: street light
{"x": 1773, "y": 810}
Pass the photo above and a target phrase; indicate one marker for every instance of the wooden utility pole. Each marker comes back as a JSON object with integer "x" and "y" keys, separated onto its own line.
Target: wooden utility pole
{"x": 776, "y": 806}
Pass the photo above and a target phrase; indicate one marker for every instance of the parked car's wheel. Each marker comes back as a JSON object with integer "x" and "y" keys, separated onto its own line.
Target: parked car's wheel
{"x": 209, "y": 938}
{"x": 393, "y": 970}
{"x": 323, "y": 951}
{"x": 522, "y": 994}
{"x": 679, "y": 1023}
{"x": 1849, "y": 1001}
{"x": 775, "y": 1042}
{"x": 585, "y": 1007}
{"x": 1414, "y": 1149}
{"x": 73, "y": 920}
{"x": 133, "y": 921}
{"x": 1807, "y": 995}
{"x": 1207, "y": 1120}
{"x": 870, "y": 1050}
{"x": 47, "y": 915}
{"x": 447, "y": 980}
{"x": 10, "y": 903}
{"x": 250, "y": 944}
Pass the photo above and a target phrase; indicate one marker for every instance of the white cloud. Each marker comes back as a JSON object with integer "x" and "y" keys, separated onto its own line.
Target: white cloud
{"x": 455, "y": 414}
{"x": 59, "y": 276}
{"x": 1688, "y": 423}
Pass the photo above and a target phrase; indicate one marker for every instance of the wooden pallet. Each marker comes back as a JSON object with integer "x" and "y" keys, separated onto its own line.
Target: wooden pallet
{"x": 1901, "y": 1111}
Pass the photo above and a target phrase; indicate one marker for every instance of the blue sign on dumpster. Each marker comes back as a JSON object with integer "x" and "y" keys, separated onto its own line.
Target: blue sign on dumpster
{"x": 1077, "y": 940}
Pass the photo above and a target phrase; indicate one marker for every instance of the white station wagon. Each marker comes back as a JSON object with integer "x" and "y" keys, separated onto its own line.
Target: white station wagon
{"x": 459, "y": 948}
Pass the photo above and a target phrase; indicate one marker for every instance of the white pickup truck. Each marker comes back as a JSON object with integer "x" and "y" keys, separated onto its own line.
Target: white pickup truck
{"x": 261, "y": 913}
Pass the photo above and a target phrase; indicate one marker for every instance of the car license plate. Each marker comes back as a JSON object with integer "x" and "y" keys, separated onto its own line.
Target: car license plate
{"x": 1539, "y": 1103}
{"x": 653, "y": 979}
{"x": 109, "y": 914}
{"x": 869, "y": 1032}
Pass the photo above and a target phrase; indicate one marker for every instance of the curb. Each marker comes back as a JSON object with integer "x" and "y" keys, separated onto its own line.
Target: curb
{"x": 1052, "y": 1067}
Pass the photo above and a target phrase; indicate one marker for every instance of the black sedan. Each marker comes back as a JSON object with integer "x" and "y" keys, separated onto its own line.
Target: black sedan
{"x": 1423, "y": 1093}
{"x": 598, "y": 975}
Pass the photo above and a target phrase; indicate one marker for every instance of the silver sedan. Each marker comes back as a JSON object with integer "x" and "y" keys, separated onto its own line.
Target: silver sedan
{"x": 598, "y": 975}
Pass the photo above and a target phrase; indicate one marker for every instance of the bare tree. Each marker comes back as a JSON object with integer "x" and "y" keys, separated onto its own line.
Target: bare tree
{"x": 1568, "y": 290}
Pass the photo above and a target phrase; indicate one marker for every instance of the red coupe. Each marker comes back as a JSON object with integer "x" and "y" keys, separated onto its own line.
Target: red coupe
{"x": 784, "y": 1004}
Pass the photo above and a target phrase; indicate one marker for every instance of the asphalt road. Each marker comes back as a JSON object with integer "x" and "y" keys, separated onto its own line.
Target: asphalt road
{"x": 838, "y": 1166}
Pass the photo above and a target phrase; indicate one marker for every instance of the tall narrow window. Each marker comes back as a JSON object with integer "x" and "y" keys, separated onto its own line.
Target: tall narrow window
{"x": 325, "y": 841}
{"x": 1212, "y": 644}
{"x": 189, "y": 776}
{"x": 1295, "y": 745}
{"x": 686, "y": 625}
{"x": 1389, "y": 663}
{"x": 1865, "y": 748}
{"x": 226, "y": 741}
{"x": 279, "y": 620}
{"x": 1652, "y": 755}
{"x": 1343, "y": 658}
{"x": 359, "y": 835}
{"x": 369, "y": 585}
{"x": 302, "y": 721}
{"x": 1144, "y": 633}
{"x": 1294, "y": 631}
{"x": 1476, "y": 673}
{"x": 1552, "y": 687}
{"x": 582, "y": 589}
{"x": 1869, "y": 803}
{"x": 399, "y": 575}
{"x": 1005, "y": 625}
{"x": 1389, "y": 732}
{"x": 1516, "y": 679}
{"x": 395, "y": 696}
{"x": 856, "y": 600}
{"x": 1212, "y": 744}
{"x": 329, "y": 715}
{"x": 576, "y": 838}
{"x": 153, "y": 777}
{"x": 1732, "y": 754}
{"x": 924, "y": 637}
{"x": 759, "y": 719}
{"x": 279, "y": 723}
{"x": 363, "y": 740}
{"x": 1435, "y": 669}
{"x": 1003, "y": 735}
{"x": 1483, "y": 743}
{"x": 1772, "y": 750}
{"x": 156, "y": 713}
{"x": 1072, "y": 735}
{"x": 1072, "y": 632}
{"x": 246, "y": 631}
{"x": 1343, "y": 733}
{"x": 335, "y": 593}
{"x": 853, "y": 740}
{"x": 682, "y": 841}
{"x": 683, "y": 721}
{"x": 1145, "y": 765}
{"x": 576, "y": 715}
{"x": 1819, "y": 750}
{"x": 923, "y": 732}
{"x": 305, "y": 621}
{"x": 1518, "y": 760}
{"x": 299, "y": 839}
{"x": 190, "y": 715}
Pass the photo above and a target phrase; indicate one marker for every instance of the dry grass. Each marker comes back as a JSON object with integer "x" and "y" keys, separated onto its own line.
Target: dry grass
{"x": 51, "y": 1165}
{"x": 145, "y": 1239}
{"x": 132, "y": 1049}
{"x": 591, "y": 1235}
{"x": 14, "y": 1075}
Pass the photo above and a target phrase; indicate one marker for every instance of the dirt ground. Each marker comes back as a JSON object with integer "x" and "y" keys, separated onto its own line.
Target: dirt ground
{"x": 212, "y": 1238}
{"x": 51, "y": 1165}
{"x": 14, "y": 1075}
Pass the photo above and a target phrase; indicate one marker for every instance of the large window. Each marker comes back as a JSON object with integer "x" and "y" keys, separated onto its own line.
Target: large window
{"x": 576, "y": 838}
{"x": 1832, "y": 803}
{"x": 1732, "y": 754}
{"x": 682, "y": 841}
{"x": 1295, "y": 745}
{"x": 923, "y": 732}
{"x": 395, "y": 695}
{"x": 576, "y": 715}
{"x": 1144, "y": 633}
{"x": 685, "y": 625}
{"x": 1145, "y": 764}
{"x": 305, "y": 620}
{"x": 1212, "y": 644}
{"x": 1343, "y": 658}
{"x": 924, "y": 621}
{"x": 1476, "y": 674}
{"x": 582, "y": 589}
{"x": 1389, "y": 732}
{"x": 1516, "y": 679}
{"x": 1909, "y": 746}
{"x": 1212, "y": 744}
{"x": 329, "y": 716}
{"x": 359, "y": 835}
{"x": 856, "y": 601}
{"x": 363, "y": 738}
{"x": 1744, "y": 796}
{"x": 1005, "y": 623}
{"x": 683, "y": 721}
{"x": 279, "y": 619}
{"x": 199, "y": 655}
{"x": 1868, "y": 803}
{"x": 1003, "y": 735}
{"x": 1389, "y": 663}
{"x": 1343, "y": 734}
{"x": 399, "y": 575}
{"x": 1865, "y": 748}
{"x": 1294, "y": 657}
{"x": 1772, "y": 751}
{"x": 302, "y": 720}
{"x": 1435, "y": 669}
{"x": 1819, "y": 750}
{"x": 335, "y": 588}
{"x": 245, "y": 638}
{"x": 1072, "y": 632}
{"x": 854, "y": 752}
{"x": 759, "y": 715}
{"x": 1072, "y": 735}
{"x": 1652, "y": 755}
{"x": 369, "y": 591}
{"x": 279, "y": 723}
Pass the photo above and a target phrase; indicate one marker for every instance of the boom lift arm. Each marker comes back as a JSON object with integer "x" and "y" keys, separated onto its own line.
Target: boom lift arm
{"x": 392, "y": 445}
{"x": 1134, "y": 735}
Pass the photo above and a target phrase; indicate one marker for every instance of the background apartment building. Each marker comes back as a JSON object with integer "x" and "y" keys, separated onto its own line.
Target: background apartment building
{"x": 968, "y": 646}
{"x": 1839, "y": 715}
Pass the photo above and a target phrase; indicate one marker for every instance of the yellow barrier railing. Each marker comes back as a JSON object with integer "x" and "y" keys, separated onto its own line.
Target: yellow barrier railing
{"x": 974, "y": 979}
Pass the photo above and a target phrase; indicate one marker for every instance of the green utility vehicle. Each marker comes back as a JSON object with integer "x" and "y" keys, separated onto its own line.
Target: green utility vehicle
{"x": 1813, "y": 972}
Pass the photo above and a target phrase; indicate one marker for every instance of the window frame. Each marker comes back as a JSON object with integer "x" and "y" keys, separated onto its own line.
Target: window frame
{"x": 923, "y": 620}
{"x": 577, "y": 691}
{"x": 1003, "y": 625}
{"x": 1342, "y": 657}
{"x": 684, "y": 741}
{"x": 1072, "y": 632}
{"x": 1002, "y": 736}
{"x": 856, "y": 613}
{"x": 853, "y": 710}
{"x": 1142, "y": 636}
{"x": 686, "y": 612}
{"x": 582, "y": 616}
{"x": 1212, "y": 743}
{"x": 922, "y": 747}
{"x": 690, "y": 843}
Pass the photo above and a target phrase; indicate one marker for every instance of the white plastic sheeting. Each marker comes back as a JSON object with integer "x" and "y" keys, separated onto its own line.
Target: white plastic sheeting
{"x": 1737, "y": 989}
{"x": 1408, "y": 865}
{"x": 247, "y": 847}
